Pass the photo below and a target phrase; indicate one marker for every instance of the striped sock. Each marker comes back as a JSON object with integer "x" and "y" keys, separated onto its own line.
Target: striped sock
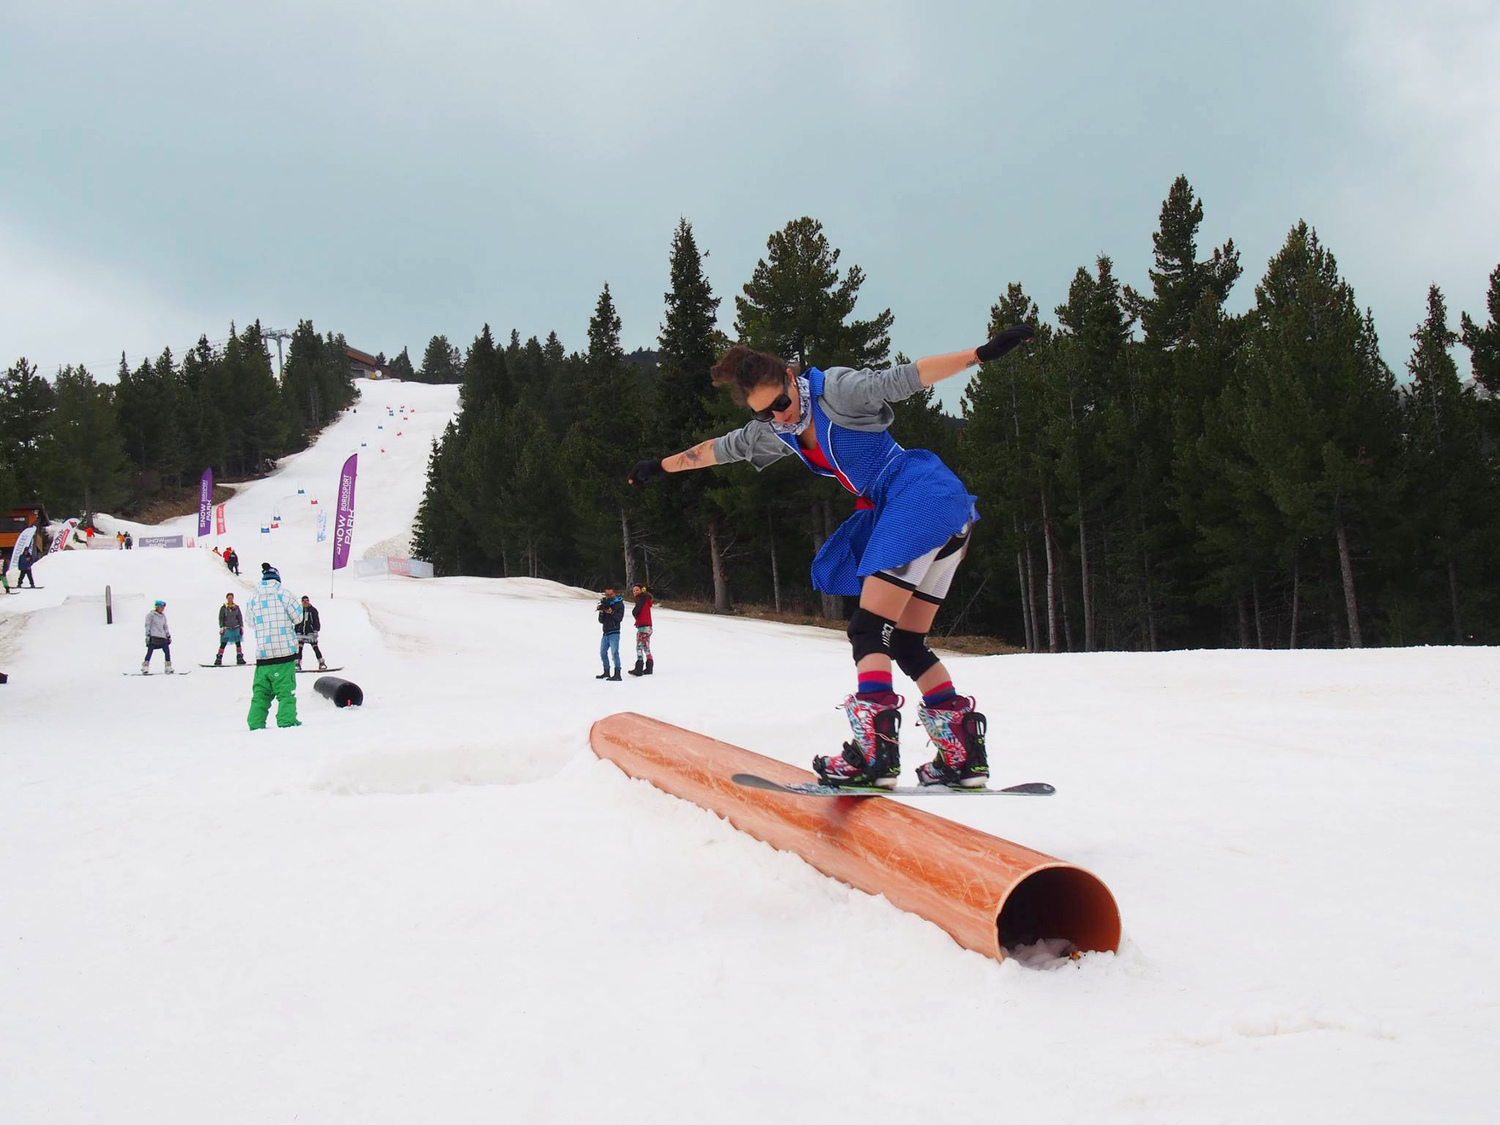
{"x": 939, "y": 694}
{"x": 874, "y": 683}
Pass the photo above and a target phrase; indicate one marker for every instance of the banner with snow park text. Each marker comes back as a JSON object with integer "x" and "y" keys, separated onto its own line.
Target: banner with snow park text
{"x": 205, "y": 502}
{"x": 343, "y": 520}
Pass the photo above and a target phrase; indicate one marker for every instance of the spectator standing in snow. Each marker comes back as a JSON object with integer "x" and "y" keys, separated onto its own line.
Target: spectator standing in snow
{"x": 307, "y": 633}
{"x": 274, "y": 615}
{"x": 158, "y": 636}
{"x": 231, "y": 630}
{"x": 611, "y": 610}
{"x": 641, "y": 611}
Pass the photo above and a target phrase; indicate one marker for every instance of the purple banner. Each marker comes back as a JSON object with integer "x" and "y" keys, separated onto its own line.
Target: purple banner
{"x": 343, "y": 521}
{"x": 206, "y": 502}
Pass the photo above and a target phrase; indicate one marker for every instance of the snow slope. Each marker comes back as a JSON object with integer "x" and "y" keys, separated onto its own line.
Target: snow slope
{"x": 440, "y": 907}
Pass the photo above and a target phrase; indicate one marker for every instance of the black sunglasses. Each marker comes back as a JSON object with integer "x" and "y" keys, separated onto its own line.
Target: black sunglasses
{"x": 778, "y": 404}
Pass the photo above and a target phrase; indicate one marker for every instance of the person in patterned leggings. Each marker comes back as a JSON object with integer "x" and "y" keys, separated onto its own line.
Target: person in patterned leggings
{"x": 641, "y": 611}
{"x": 898, "y": 552}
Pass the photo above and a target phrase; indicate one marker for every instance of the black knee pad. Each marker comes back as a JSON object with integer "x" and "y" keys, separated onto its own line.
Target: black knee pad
{"x": 869, "y": 632}
{"x": 910, "y": 652}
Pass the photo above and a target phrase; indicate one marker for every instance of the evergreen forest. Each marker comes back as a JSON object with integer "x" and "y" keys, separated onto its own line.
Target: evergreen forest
{"x": 82, "y": 446}
{"x": 1153, "y": 472}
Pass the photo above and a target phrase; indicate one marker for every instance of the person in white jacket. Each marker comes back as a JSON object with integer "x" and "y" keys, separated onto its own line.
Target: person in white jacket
{"x": 158, "y": 636}
{"x": 274, "y": 615}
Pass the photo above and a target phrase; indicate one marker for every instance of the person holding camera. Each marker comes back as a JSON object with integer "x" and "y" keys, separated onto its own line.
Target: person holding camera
{"x": 611, "y": 609}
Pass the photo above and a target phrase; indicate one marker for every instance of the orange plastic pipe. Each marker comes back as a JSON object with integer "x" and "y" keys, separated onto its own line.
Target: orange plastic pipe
{"x": 987, "y": 893}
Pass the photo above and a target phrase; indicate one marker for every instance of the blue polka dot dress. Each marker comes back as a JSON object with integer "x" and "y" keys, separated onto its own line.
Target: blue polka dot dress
{"x": 910, "y": 502}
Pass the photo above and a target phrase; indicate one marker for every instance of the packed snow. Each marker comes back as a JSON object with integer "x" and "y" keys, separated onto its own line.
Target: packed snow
{"x": 441, "y": 907}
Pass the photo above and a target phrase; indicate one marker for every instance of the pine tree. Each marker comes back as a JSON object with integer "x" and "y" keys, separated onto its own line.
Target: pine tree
{"x": 1000, "y": 459}
{"x": 86, "y": 466}
{"x": 440, "y": 534}
{"x": 400, "y": 368}
{"x": 679, "y": 517}
{"x": 1484, "y": 343}
{"x": 602, "y": 443}
{"x": 439, "y": 362}
{"x": 485, "y": 377}
{"x": 1179, "y": 281}
{"x": 26, "y": 405}
{"x": 1449, "y": 489}
{"x": 796, "y": 307}
{"x": 1321, "y": 406}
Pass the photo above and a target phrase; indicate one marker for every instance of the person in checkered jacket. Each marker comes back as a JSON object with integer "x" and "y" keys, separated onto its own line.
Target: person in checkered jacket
{"x": 274, "y": 615}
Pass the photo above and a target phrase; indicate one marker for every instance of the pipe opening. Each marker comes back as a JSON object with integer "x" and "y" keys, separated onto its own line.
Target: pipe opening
{"x": 342, "y": 692}
{"x": 1059, "y": 902}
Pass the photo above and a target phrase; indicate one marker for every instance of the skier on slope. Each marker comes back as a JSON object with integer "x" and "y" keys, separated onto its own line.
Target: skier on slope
{"x": 231, "y": 630}
{"x": 641, "y": 611}
{"x": 898, "y": 551}
{"x": 158, "y": 636}
{"x": 307, "y": 633}
{"x": 274, "y": 614}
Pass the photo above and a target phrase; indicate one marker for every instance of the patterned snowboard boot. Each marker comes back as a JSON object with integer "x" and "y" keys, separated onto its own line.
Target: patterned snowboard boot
{"x": 873, "y": 756}
{"x": 957, "y": 730}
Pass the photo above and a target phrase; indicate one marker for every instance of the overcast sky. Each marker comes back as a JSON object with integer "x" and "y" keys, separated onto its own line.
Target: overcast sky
{"x": 394, "y": 170}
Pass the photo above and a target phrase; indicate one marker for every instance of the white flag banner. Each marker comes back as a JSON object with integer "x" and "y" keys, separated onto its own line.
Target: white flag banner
{"x": 322, "y": 524}
{"x": 62, "y": 538}
{"x": 22, "y": 542}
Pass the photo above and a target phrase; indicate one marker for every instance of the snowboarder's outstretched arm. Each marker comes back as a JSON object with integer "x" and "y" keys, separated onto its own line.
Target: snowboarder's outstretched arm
{"x": 935, "y": 368}
{"x": 701, "y": 456}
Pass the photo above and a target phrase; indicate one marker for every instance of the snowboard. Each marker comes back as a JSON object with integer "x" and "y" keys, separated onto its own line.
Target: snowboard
{"x": 188, "y": 672}
{"x": 813, "y": 789}
{"x": 323, "y": 671}
{"x": 231, "y": 664}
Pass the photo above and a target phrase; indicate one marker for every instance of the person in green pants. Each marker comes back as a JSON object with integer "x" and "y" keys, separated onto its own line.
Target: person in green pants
{"x": 274, "y": 615}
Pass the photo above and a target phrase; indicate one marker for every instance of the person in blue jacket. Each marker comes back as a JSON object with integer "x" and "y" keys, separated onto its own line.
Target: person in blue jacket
{"x": 611, "y": 610}
{"x": 898, "y": 552}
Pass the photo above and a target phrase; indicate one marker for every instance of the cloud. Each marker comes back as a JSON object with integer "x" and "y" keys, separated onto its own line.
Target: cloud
{"x": 57, "y": 310}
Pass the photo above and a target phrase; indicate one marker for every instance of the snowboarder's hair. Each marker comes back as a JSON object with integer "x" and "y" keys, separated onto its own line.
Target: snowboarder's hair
{"x": 743, "y": 369}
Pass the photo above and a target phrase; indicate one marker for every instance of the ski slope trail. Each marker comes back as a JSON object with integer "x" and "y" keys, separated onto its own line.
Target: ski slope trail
{"x": 441, "y": 907}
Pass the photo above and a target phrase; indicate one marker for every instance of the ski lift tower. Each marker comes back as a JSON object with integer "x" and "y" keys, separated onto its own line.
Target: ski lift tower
{"x": 277, "y": 334}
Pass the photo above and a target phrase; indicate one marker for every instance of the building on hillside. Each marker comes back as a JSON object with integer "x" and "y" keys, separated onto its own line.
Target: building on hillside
{"x": 15, "y": 520}
{"x": 362, "y": 365}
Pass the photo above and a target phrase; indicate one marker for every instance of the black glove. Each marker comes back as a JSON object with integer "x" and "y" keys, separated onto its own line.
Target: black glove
{"x": 1010, "y": 338}
{"x": 644, "y": 471}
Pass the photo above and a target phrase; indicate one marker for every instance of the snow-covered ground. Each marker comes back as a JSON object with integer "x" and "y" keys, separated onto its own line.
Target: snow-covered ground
{"x": 441, "y": 908}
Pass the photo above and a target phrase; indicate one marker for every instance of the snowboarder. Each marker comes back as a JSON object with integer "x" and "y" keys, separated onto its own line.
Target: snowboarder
{"x": 611, "y": 609}
{"x": 232, "y": 561}
{"x": 158, "y": 636}
{"x": 275, "y": 617}
{"x": 641, "y": 611}
{"x": 307, "y": 633}
{"x": 231, "y": 630}
{"x": 129, "y": 541}
{"x": 24, "y": 561}
{"x": 898, "y": 551}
